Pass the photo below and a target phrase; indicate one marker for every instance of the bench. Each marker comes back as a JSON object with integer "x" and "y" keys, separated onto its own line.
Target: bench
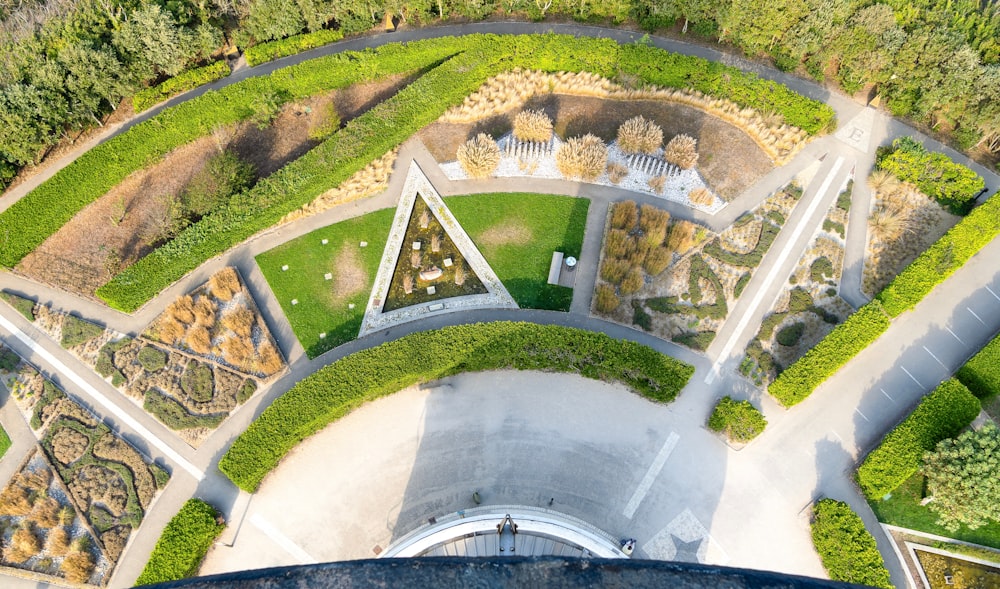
{"x": 555, "y": 267}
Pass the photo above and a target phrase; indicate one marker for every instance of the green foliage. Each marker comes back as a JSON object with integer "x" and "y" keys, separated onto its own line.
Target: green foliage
{"x": 741, "y": 284}
{"x": 848, "y": 550}
{"x": 799, "y": 300}
{"x": 8, "y": 359}
{"x": 265, "y": 52}
{"x": 224, "y": 175}
{"x": 981, "y": 374}
{"x": 696, "y": 341}
{"x": 962, "y": 477}
{"x": 641, "y": 317}
{"x": 197, "y": 381}
{"x": 821, "y": 269}
{"x": 769, "y": 323}
{"x": 247, "y": 389}
{"x": 76, "y": 331}
{"x": 942, "y": 414}
{"x": 844, "y": 198}
{"x": 751, "y": 259}
{"x": 790, "y": 335}
{"x": 952, "y": 185}
{"x": 174, "y": 415}
{"x": 846, "y": 340}
{"x": 50, "y": 394}
{"x": 333, "y": 391}
{"x": 740, "y": 420}
{"x": 939, "y": 261}
{"x": 152, "y": 358}
{"x": 834, "y": 227}
{"x": 5, "y": 442}
{"x": 183, "y": 544}
{"x": 179, "y": 84}
{"x": 22, "y": 305}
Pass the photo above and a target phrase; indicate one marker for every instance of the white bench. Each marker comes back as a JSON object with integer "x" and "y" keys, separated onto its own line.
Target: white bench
{"x": 555, "y": 267}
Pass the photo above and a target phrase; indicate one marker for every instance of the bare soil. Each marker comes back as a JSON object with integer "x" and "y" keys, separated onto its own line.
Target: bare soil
{"x": 729, "y": 160}
{"x": 349, "y": 275}
{"x": 505, "y": 234}
{"x": 90, "y": 249}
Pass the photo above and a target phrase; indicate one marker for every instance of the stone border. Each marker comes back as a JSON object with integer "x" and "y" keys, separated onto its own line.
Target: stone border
{"x": 496, "y": 297}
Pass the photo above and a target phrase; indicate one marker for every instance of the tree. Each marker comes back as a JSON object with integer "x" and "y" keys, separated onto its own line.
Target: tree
{"x": 962, "y": 478}
{"x": 151, "y": 41}
{"x": 274, "y": 19}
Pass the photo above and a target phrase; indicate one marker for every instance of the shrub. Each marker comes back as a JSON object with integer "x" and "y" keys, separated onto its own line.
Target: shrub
{"x": 613, "y": 270}
{"x": 799, "y": 300}
{"x": 606, "y": 299}
{"x": 682, "y": 236}
{"x": 696, "y": 341}
{"x": 846, "y": 340}
{"x": 741, "y": 283}
{"x": 265, "y": 52}
{"x": 624, "y": 215}
{"x": 701, "y": 196}
{"x": 174, "y": 415}
{"x": 8, "y": 360}
{"x": 199, "y": 340}
{"x": 789, "y": 335}
{"x": 582, "y": 158}
{"x": 152, "y": 358}
{"x": 333, "y": 391}
{"x": 616, "y": 172}
{"x": 479, "y": 156}
{"x": 981, "y": 374}
{"x": 940, "y": 260}
{"x": 942, "y": 414}
{"x": 657, "y": 183}
{"x": 657, "y": 261}
{"x": 740, "y": 420}
{"x": 21, "y": 304}
{"x": 240, "y": 320}
{"x": 751, "y": 259}
{"x": 224, "y": 175}
{"x": 639, "y": 135}
{"x": 183, "y": 544}
{"x": 821, "y": 269}
{"x": 952, "y": 185}
{"x": 76, "y": 331}
{"x": 633, "y": 281}
{"x": 848, "y": 551}
{"x": 640, "y": 317}
{"x": 179, "y": 84}
{"x": 533, "y": 125}
{"x": 247, "y": 389}
{"x": 78, "y": 564}
{"x": 682, "y": 152}
{"x": 224, "y": 284}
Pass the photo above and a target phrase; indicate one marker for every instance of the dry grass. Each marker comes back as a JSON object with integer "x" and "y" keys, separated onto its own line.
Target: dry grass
{"x": 881, "y": 182}
{"x": 657, "y": 183}
{"x": 237, "y": 351}
{"x": 681, "y": 237}
{"x": 479, "y": 156}
{"x": 533, "y": 125}
{"x": 268, "y": 359}
{"x": 349, "y": 274}
{"x": 372, "y": 179}
{"x": 605, "y": 300}
{"x": 46, "y": 512}
{"x": 613, "y": 270}
{"x": 24, "y": 544}
{"x": 639, "y": 135}
{"x": 888, "y": 224}
{"x": 78, "y": 566}
{"x": 633, "y": 281}
{"x": 507, "y": 233}
{"x": 616, "y": 172}
{"x": 224, "y": 284}
{"x": 204, "y": 311}
{"x": 199, "y": 340}
{"x": 657, "y": 261}
{"x": 57, "y": 543}
{"x": 169, "y": 330}
{"x": 653, "y": 220}
{"x": 240, "y": 320}
{"x": 682, "y": 152}
{"x": 624, "y": 215}
{"x": 582, "y": 158}
{"x": 617, "y": 243}
{"x": 701, "y": 196}
{"x": 182, "y": 310}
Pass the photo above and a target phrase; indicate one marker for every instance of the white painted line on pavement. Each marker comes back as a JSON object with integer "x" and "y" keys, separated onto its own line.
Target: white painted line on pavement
{"x": 911, "y": 375}
{"x": 935, "y": 357}
{"x": 281, "y": 540}
{"x": 858, "y": 411}
{"x": 836, "y": 435}
{"x": 955, "y": 335}
{"x": 887, "y": 395}
{"x": 997, "y": 297}
{"x": 976, "y": 316}
{"x": 105, "y": 402}
{"x": 773, "y": 274}
{"x": 651, "y": 474}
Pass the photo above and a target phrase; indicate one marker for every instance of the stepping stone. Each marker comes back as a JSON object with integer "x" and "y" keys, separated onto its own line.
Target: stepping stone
{"x": 325, "y": 241}
{"x": 295, "y": 301}
{"x": 328, "y": 276}
{"x": 350, "y": 305}
{"x": 436, "y": 307}
{"x": 448, "y": 263}
{"x": 322, "y": 335}
{"x": 416, "y": 245}
{"x": 284, "y": 268}
{"x": 363, "y": 244}
{"x": 431, "y": 290}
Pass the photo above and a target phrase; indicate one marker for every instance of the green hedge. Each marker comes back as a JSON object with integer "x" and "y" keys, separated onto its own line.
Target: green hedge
{"x": 333, "y": 391}
{"x": 942, "y": 414}
{"x": 849, "y": 552}
{"x": 981, "y": 374}
{"x": 22, "y": 305}
{"x": 180, "y": 83}
{"x": 940, "y": 261}
{"x": 952, "y": 185}
{"x": 272, "y": 50}
{"x": 183, "y": 544}
{"x": 740, "y": 420}
{"x": 846, "y": 340}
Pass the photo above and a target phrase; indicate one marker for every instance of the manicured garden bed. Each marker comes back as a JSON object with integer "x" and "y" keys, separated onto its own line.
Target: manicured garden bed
{"x": 848, "y": 550}
{"x": 183, "y": 544}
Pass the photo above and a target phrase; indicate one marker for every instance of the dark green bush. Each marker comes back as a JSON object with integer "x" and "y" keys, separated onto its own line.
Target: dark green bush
{"x": 117, "y": 378}
{"x": 265, "y": 52}
{"x": 183, "y": 544}
{"x": 696, "y": 341}
{"x": 981, "y": 374}
{"x": 224, "y": 175}
{"x": 76, "y": 331}
{"x": 942, "y": 414}
{"x": 246, "y": 391}
{"x": 333, "y": 391}
{"x": 769, "y": 323}
{"x": 174, "y": 415}
{"x": 790, "y": 335}
{"x": 821, "y": 269}
{"x": 799, "y": 300}
{"x": 152, "y": 358}
{"x": 641, "y": 317}
{"x": 846, "y": 340}
{"x": 197, "y": 381}
{"x": 178, "y": 84}
{"x": 22, "y": 305}
{"x": 834, "y": 227}
{"x": 844, "y": 198}
{"x": 751, "y": 259}
{"x": 8, "y": 359}
{"x": 741, "y": 284}
{"x": 740, "y": 420}
{"x": 952, "y": 185}
{"x": 849, "y": 552}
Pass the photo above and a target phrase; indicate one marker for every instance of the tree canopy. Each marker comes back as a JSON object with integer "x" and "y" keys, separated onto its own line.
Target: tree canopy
{"x": 963, "y": 477}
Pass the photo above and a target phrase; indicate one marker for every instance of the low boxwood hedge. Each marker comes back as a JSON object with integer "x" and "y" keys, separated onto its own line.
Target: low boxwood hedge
{"x": 848, "y": 551}
{"x": 183, "y": 544}
{"x": 182, "y": 82}
{"x": 333, "y": 391}
{"x": 846, "y": 340}
{"x": 740, "y": 420}
{"x": 942, "y": 414}
{"x": 981, "y": 374}
{"x": 272, "y": 50}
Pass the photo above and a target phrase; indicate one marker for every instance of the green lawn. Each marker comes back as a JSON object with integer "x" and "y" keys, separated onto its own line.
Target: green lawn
{"x": 903, "y": 509}
{"x": 516, "y": 233}
{"x": 4, "y": 442}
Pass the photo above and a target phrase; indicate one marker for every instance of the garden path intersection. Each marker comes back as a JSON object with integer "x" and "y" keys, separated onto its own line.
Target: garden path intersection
{"x": 615, "y": 460}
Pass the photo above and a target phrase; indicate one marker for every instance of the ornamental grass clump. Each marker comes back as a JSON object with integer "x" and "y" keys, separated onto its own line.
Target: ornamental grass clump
{"x": 624, "y": 215}
{"x": 682, "y": 152}
{"x": 616, "y": 172}
{"x": 639, "y": 135}
{"x": 701, "y": 196}
{"x": 533, "y": 125}
{"x": 606, "y": 300}
{"x": 582, "y": 158}
{"x": 479, "y": 156}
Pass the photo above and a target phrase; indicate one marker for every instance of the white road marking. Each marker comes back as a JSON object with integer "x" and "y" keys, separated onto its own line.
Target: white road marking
{"x": 651, "y": 474}
{"x": 911, "y": 375}
{"x": 887, "y": 395}
{"x": 836, "y": 435}
{"x": 103, "y": 401}
{"x": 281, "y": 540}
{"x": 954, "y": 335}
{"x": 935, "y": 357}
{"x": 997, "y": 297}
{"x": 980, "y": 319}
{"x": 858, "y": 411}
{"x": 782, "y": 256}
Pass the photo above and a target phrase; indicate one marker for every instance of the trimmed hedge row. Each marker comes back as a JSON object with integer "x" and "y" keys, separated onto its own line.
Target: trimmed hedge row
{"x": 942, "y": 414}
{"x": 846, "y": 340}
{"x": 272, "y": 50}
{"x": 952, "y": 185}
{"x": 848, "y": 551}
{"x": 333, "y": 391}
{"x": 180, "y": 83}
{"x": 940, "y": 261}
{"x": 183, "y": 544}
{"x": 981, "y": 374}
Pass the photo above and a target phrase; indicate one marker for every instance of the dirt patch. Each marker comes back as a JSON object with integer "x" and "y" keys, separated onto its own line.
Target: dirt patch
{"x": 349, "y": 276}
{"x": 730, "y": 160}
{"x": 510, "y": 232}
{"x": 91, "y": 248}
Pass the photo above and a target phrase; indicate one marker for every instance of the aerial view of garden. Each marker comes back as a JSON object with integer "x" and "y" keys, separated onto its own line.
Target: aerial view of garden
{"x": 288, "y": 283}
